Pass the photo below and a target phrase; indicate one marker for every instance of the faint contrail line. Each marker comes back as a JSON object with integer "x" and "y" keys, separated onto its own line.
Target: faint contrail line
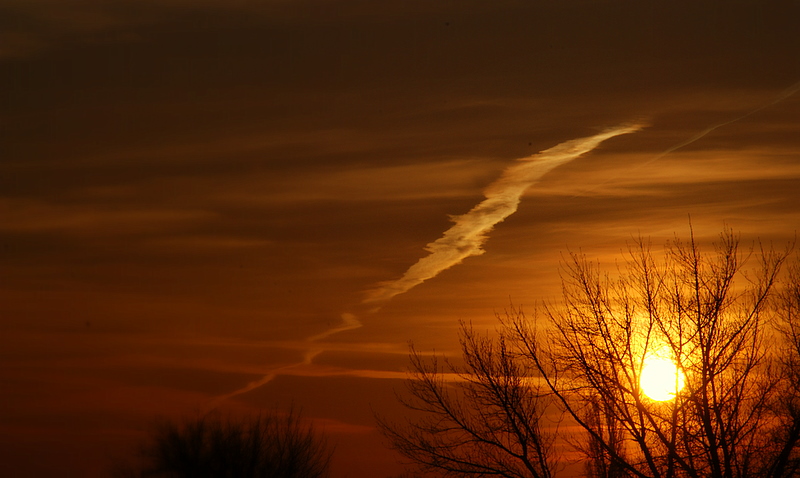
{"x": 466, "y": 237}
{"x": 785, "y": 94}
{"x": 349, "y": 322}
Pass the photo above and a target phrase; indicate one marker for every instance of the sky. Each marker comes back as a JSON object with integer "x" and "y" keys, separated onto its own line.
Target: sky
{"x": 248, "y": 205}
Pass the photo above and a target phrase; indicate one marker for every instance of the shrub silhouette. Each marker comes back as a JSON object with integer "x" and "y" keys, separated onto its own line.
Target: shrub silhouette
{"x": 270, "y": 445}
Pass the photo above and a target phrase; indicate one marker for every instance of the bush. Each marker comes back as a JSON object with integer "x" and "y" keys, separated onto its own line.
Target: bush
{"x": 271, "y": 445}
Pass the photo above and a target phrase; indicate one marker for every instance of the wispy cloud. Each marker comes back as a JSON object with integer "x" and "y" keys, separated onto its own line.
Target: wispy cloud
{"x": 469, "y": 233}
{"x": 462, "y": 240}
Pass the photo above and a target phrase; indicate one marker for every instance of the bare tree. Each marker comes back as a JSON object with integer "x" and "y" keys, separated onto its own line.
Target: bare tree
{"x": 787, "y": 463}
{"x": 726, "y": 323}
{"x": 598, "y": 464}
{"x": 271, "y": 445}
{"x": 478, "y": 419}
{"x": 712, "y": 318}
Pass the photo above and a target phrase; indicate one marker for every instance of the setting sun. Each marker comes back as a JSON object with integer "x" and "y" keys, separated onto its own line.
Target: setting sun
{"x": 661, "y": 378}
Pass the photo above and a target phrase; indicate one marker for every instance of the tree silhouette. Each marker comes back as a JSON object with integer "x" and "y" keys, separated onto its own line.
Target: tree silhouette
{"x": 731, "y": 329}
{"x": 484, "y": 420}
{"x": 787, "y": 463}
{"x": 270, "y": 445}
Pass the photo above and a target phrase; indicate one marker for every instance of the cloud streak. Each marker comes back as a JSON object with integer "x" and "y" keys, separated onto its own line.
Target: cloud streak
{"x": 464, "y": 239}
{"x": 470, "y": 230}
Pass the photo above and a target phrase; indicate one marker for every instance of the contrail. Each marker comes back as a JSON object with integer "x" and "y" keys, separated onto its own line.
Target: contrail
{"x": 788, "y": 92}
{"x": 349, "y": 322}
{"x": 785, "y": 94}
{"x": 462, "y": 240}
{"x": 470, "y": 231}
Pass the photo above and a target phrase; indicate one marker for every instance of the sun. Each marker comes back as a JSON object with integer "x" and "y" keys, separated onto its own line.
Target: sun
{"x": 661, "y": 378}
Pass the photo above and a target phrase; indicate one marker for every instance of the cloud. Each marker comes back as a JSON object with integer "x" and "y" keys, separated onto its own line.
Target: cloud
{"x": 470, "y": 231}
{"x": 436, "y": 179}
{"x": 22, "y": 215}
{"x": 697, "y": 168}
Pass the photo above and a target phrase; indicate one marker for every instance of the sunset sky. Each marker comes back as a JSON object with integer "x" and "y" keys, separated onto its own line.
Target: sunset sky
{"x": 222, "y": 203}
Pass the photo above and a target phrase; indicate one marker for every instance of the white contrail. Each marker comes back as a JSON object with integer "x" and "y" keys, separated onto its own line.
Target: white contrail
{"x": 468, "y": 234}
{"x": 462, "y": 240}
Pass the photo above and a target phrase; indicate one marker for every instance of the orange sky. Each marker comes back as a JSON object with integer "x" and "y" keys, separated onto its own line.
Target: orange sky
{"x": 191, "y": 190}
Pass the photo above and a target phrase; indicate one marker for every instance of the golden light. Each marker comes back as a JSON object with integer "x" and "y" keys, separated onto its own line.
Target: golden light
{"x": 661, "y": 378}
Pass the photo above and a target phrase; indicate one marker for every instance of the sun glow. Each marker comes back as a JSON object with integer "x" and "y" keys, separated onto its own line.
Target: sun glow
{"x": 661, "y": 378}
